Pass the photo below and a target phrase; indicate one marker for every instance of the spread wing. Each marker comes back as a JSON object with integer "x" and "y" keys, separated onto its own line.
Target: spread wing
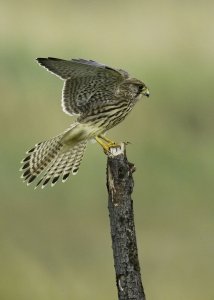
{"x": 85, "y": 81}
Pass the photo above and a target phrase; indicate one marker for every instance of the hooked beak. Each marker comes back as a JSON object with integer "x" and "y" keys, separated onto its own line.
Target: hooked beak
{"x": 146, "y": 92}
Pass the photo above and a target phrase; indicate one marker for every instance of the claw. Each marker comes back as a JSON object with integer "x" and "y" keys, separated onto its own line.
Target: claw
{"x": 110, "y": 148}
{"x": 106, "y": 144}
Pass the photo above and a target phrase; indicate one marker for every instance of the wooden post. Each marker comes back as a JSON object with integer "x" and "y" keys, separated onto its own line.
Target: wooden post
{"x": 120, "y": 204}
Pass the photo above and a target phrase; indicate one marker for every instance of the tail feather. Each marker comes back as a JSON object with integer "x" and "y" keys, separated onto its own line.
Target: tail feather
{"x": 40, "y": 156}
{"x": 73, "y": 164}
{"x": 63, "y": 165}
{"x": 51, "y": 160}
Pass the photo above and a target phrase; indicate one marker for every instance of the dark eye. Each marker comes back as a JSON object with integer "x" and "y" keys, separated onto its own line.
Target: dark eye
{"x": 140, "y": 88}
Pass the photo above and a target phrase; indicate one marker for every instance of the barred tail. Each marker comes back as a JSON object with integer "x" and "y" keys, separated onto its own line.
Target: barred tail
{"x": 52, "y": 159}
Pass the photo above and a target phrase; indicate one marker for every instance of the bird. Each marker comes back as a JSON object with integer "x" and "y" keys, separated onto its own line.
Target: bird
{"x": 100, "y": 97}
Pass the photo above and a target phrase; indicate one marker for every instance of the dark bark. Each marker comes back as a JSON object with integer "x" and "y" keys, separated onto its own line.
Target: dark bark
{"x": 120, "y": 186}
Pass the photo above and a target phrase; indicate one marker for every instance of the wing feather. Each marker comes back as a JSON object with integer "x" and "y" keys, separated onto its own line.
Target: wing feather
{"x": 85, "y": 81}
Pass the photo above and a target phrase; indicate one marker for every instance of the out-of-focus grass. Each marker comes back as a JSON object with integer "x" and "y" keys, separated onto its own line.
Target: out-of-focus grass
{"x": 55, "y": 243}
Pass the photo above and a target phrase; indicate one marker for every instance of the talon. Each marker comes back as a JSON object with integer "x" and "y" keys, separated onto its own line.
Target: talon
{"x": 106, "y": 144}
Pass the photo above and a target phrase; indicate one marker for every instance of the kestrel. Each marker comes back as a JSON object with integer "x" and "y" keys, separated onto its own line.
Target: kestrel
{"x": 101, "y": 97}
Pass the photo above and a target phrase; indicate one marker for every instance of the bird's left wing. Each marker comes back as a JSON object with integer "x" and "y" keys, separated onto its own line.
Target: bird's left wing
{"x": 84, "y": 81}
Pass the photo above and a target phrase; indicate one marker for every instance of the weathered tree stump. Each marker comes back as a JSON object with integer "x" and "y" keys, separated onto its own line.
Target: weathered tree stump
{"x": 120, "y": 185}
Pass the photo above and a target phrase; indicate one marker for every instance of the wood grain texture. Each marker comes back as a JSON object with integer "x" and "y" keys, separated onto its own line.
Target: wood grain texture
{"x": 120, "y": 185}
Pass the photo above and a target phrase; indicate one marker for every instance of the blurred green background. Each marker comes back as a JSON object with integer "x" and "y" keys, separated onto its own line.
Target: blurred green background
{"x": 55, "y": 243}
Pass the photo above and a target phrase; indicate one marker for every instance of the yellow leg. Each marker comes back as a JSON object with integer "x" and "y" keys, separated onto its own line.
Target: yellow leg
{"x": 106, "y": 143}
{"x": 103, "y": 137}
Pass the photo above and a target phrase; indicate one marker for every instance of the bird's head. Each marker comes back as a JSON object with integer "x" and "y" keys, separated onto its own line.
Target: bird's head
{"x": 143, "y": 89}
{"x": 134, "y": 88}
